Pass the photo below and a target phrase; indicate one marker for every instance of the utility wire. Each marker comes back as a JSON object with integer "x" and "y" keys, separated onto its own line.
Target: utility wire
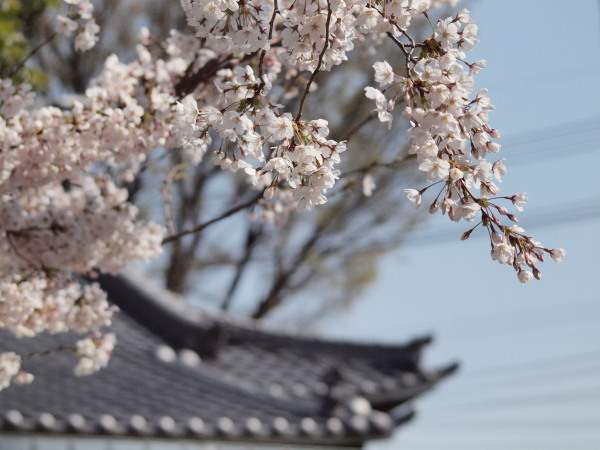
{"x": 525, "y": 421}
{"x": 556, "y": 378}
{"x": 562, "y": 370}
{"x": 538, "y": 364}
{"x": 522, "y": 319}
{"x": 527, "y": 313}
{"x": 550, "y": 133}
{"x": 552, "y": 153}
{"x": 559, "y": 214}
{"x": 590, "y": 322}
{"x": 584, "y": 320}
{"x": 549, "y": 397}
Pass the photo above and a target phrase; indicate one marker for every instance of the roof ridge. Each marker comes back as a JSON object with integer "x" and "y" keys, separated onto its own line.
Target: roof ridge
{"x": 159, "y": 309}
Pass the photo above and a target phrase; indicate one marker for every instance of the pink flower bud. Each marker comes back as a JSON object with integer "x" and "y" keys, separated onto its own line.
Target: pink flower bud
{"x": 524, "y": 276}
{"x": 558, "y": 254}
{"x": 492, "y": 147}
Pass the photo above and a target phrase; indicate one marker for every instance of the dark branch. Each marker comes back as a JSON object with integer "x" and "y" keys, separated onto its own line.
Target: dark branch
{"x": 190, "y": 81}
{"x": 316, "y": 71}
{"x": 252, "y": 238}
{"x": 202, "y": 226}
{"x": 36, "y": 49}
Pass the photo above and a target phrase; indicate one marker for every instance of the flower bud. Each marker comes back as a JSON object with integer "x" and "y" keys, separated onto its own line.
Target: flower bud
{"x": 466, "y": 235}
{"x": 524, "y": 276}
{"x": 492, "y": 147}
{"x": 434, "y": 207}
{"x": 270, "y": 192}
{"x": 558, "y": 254}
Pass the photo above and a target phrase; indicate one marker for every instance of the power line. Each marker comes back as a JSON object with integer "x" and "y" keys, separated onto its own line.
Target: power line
{"x": 537, "y": 364}
{"x": 506, "y": 316}
{"x": 550, "y": 134}
{"x": 553, "y": 375}
{"x": 519, "y": 324}
{"x": 547, "y": 217}
{"x": 549, "y": 397}
{"x": 489, "y": 333}
{"x": 551, "y": 153}
{"x": 523, "y": 318}
{"x": 527, "y": 421}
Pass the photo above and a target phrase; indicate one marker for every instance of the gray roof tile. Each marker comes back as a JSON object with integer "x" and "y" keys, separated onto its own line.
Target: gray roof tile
{"x": 177, "y": 372}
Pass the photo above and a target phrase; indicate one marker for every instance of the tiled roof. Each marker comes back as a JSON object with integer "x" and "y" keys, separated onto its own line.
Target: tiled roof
{"x": 177, "y": 372}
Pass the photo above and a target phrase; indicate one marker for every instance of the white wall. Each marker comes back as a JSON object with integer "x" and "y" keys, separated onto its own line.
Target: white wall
{"x": 20, "y": 442}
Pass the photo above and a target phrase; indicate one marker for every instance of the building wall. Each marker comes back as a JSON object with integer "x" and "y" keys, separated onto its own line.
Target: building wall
{"x": 21, "y": 442}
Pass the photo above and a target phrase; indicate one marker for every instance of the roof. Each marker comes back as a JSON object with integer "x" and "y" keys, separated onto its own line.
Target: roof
{"x": 179, "y": 372}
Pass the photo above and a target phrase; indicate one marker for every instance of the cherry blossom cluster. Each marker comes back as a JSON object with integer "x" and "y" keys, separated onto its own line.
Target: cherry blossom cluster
{"x": 94, "y": 353}
{"x": 10, "y": 367}
{"x": 272, "y": 148}
{"x": 63, "y": 217}
{"x": 79, "y": 20}
{"x": 305, "y": 29}
{"x": 451, "y": 136}
{"x": 61, "y": 214}
{"x": 230, "y": 26}
{"x": 298, "y": 165}
{"x": 234, "y": 92}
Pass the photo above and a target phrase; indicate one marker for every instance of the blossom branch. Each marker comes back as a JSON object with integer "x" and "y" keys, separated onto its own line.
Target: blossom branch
{"x": 51, "y": 351}
{"x": 319, "y": 62}
{"x": 444, "y": 122}
{"x": 400, "y": 45}
{"x": 270, "y": 36}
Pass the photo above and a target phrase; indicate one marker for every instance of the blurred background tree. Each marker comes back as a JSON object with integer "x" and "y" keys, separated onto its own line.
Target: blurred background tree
{"x": 18, "y": 32}
{"x": 314, "y": 263}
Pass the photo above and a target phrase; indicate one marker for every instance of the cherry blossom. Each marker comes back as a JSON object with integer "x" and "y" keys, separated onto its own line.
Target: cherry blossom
{"x": 10, "y": 365}
{"x": 93, "y": 353}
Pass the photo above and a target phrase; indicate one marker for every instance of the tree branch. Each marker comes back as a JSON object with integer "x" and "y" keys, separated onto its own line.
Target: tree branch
{"x": 190, "y": 81}
{"x": 273, "y": 298}
{"x": 33, "y": 51}
{"x": 254, "y": 234}
{"x": 377, "y": 164}
{"x": 202, "y": 226}
{"x": 270, "y": 36}
{"x": 320, "y": 61}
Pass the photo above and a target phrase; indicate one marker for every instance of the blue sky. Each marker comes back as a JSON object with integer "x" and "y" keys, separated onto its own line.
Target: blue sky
{"x": 530, "y": 354}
